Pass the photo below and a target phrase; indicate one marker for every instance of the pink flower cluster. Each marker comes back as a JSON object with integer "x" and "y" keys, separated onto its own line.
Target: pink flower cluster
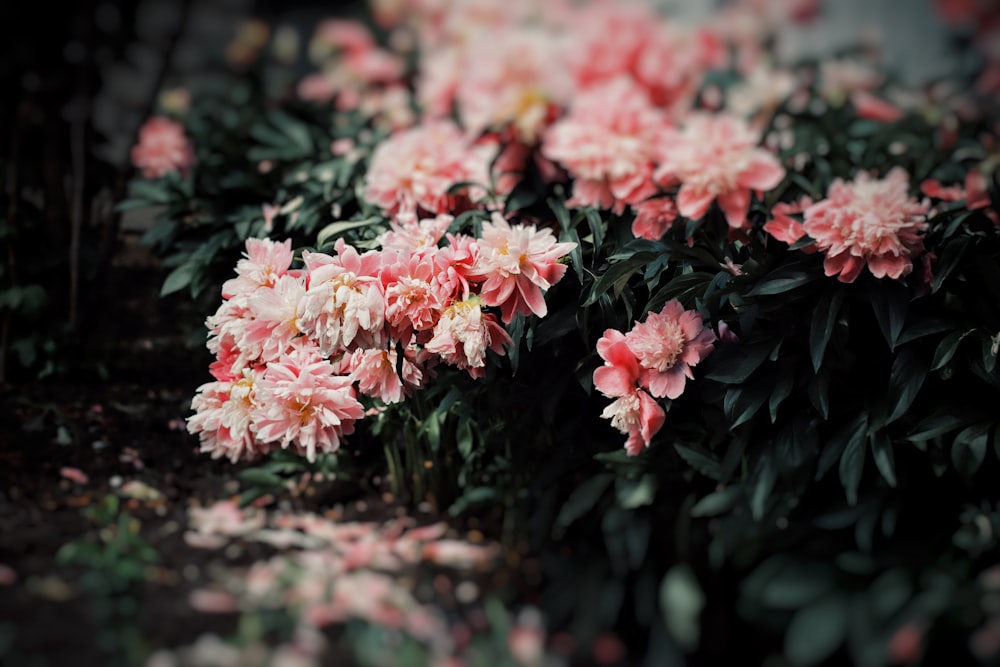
{"x": 163, "y": 148}
{"x": 867, "y": 222}
{"x": 297, "y": 349}
{"x": 651, "y": 361}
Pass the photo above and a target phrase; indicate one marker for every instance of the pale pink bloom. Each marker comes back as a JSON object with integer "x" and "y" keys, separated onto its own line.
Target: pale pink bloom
{"x": 373, "y": 66}
{"x": 202, "y": 541}
{"x": 302, "y": 403}
{"x": 407, "y": 234}
{"x": 345, "y": 35}
{"x": 438, "y": 80}
{"x": 344, "y": 300}
{"x": 871, "y": 107}
{"x": 667, "y": 345}
{"x": 934, "y": 189}
{"x": 637, "y": 415}
{"x": 464, "y": 333}
{"x": 74, "y": 475}
{"x": 225, "y": 518}
{"x": 460, "y": 555}
{"x": 414, "y": 298}
{"x": 840, "y": 78}
{"x": 414, "y": 169}
{"x": 868, "y": 222}
{"x": 222, "y": 418}
{"x": 784, "y": 227}
{"x": 274, "y": 323}
{"x": 210, "y": 601}
{"x": 316, "y": 87}
{"x": 762, "y": 90}
{"x": 518, "y": 262}
{"x": 376, "y": 375}
{"x": 342, "y": 146}
{"x": 8, "y": 577}
{"x": 263, "y": 263}
{"x": 717, "y": 158}
{"x": 456, "y": 265}
{"x": 516, "y": 81}
{"x": 653, "y": 218}
{"x": 619, "y": 376}
{"x": 608, "y": 147}
{"x": 390, "y": 107}
{"x": 163, "y": 148}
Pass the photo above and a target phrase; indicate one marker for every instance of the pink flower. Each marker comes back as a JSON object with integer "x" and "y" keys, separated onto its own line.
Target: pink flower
{"x": 344, "y": 299}
{"x": 74, "y": 475}
{"x": 717, "y": 158}
{"x": 414, "y": 169}
{"x": 302, "y": 403}
{"x": 414, "y": 298}
{"x": 871, "y": 107}
{"x": 637, "y": 415}
{"x": 222, "y": 418}
{"x": 518, "y": 262}
{"x": 264, "y": 262}
{"x": 608, "y": 147}
{"x": 274, "y": 323}
{"x": 8, "y": 577}
{"x": 934, "y": 189}
{"x": 667, "y": 345}
{"x": 784, "y": 227}
{"x": 163, "y": 148}
{"x": 653, "y": 218}
{"x": 868, "y": 222}
{"x": 407, "y": 234}
{"x": 345, "y": 35}
{"x": 375, "y": 373}
{"x": 619, "y": 376}
{"x": 464, "y": 333}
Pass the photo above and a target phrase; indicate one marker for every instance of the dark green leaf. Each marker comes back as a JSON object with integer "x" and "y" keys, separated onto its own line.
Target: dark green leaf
{"x": 616, "y": 277}
{"x": 636, "y": 493}
{"x": 735, "y": 362}
{"x": 819, "y": 393}
{"x": 950, "y": 258}
{"x": 178, "y": 279}
{"x": 852, "y": 461}
{"x": 816, "y": 631}
{"x": 823, "y": 322}
{"x": 909, "y": 369}
{"x": 681, "y": 602}
{"x": 936, "y": 425}
{"x": 718, "y": 502}
{"x": 783, "y": 280}
{"x": 581, "y": 501}
{"x": 794, "y": 586}
{"x": 763, "y": 479}
{"x": 884, "y": 459}
{"x": 782, "y": 390}
{"x": 260, "y": 477}
{"x": 890, "y": 302}
{"x": 701, "y": 460}
{"x": 947, "y": 348}
{"x": 969, "y": 448}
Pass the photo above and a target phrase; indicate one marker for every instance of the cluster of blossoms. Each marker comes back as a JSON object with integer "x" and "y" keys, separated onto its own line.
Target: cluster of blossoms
{"x": 296, "y": 350}
{"x": 651, "y": 361}
{"x": 163, "y": 148}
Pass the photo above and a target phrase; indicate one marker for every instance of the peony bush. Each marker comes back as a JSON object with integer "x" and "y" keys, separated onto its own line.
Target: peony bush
{"x": 782, "y": 279}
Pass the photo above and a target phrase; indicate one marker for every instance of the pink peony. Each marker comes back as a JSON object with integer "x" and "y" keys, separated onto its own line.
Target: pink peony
{"x": 263, "y": 263}
{"x": 414, "y": 298}
{"x": 222, "y": 418}
{"x": 344, "y": 300}
{"x": 375, "y": 373}
{"x": 871, "y": 107}
{"x": 653, "y": 218}
{"x": 407, "y": 234}
{"x": 517, "y": 263}
{"x": 633, "y": 412}
{"x": 784, "y": 227}
{"x": 667, "y": 345}
{"x": 717, "y": 158}
{"x": 163, "y": 148}
{"x": 302, "y": 403}
{"x": 464, "y": 333}
{"x": 868, "y": 222}
{"x": 607, "y": 144}
{"x": 414, "y": 169}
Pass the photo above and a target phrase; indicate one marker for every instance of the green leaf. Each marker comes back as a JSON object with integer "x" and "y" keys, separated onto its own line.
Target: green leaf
{"x": 794, "y": 586}
{"x": 636, "y": 493}
{"x": 784, "y": 280}
{"x": 909, "y": 369}
{"x": 521, "y": 197}
{"x": 743, "y": 402}
{"x": 685, "y": 287}
{"x": 735, "y": 362}
{"x": 819, "y": 393}
{"x": 969, "y": 448}
{"x": 464, "y": 439}
{"x": 852, "y": 461}
{"x": 951, "y": 256}
{"x": 681, "y": 602}
{"x": 581, "y": 501}
{"x": 782, "y": 390}
{"x": 817, "y": 630}
{"x": 617, "y": 276}
{"x": 337, "y": 228}
{"x": 764, "y": 476}
{"x": 179, "y": 278}
{"x": 884, "y": 459}
{"x": 890, "y": 302}
{"x": 718, "y": 502}
{"x": 260, "y": 477}
{"x": 947, "y": 348}
{"x": 701, "y": 460}
{"x": 823, "y": 322}
{"x": 937, "y": 425}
